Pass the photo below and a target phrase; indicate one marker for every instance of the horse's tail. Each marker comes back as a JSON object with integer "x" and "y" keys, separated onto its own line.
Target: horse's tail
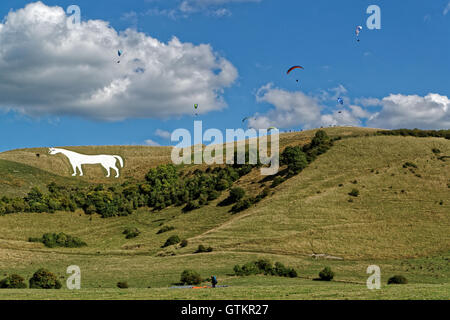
{"x": 120, "y": 160}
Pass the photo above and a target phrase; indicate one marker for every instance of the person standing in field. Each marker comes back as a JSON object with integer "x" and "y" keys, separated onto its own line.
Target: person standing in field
{"x": 213, "y": 281}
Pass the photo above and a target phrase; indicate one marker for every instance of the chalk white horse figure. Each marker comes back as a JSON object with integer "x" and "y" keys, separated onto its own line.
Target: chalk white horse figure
{"x": 77, "y": 159}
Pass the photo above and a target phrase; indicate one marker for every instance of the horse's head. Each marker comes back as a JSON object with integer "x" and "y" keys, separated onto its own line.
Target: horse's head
{"x": 53, "y": 151}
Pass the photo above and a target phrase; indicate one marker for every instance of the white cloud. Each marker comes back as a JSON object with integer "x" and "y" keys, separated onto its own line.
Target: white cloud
{"x": 291, "y": 109}
{"x": 340, "y": 118}
{"x": 447, "y": 9}
{"x": 215, "y": 8}
{"x": 368, "y": 102}
{"x": 413, "y": 111}
{"x": 150, "y": 142}
{"x": 359, "y": 112}
{"x": 163, "y": 134}
{"x": 47, "y": 68}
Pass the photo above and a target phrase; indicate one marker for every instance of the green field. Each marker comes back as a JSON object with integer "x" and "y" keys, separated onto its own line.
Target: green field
{"x": 400, "y": 221}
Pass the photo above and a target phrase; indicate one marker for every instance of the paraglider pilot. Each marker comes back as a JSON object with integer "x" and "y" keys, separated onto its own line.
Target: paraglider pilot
{"x": 213, "y": 281}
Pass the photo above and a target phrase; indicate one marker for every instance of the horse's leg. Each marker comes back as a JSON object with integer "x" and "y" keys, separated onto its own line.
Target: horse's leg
{"x": 74, "y": 167}
{"x": 117, "y": 170}
{"x": 107, "y": 170}
{"x": 81, "y": 171}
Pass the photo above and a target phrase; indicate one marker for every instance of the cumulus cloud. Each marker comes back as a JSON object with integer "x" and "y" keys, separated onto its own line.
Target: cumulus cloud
{"x": 163, "y": 134}
{"x": 291, "y": 109}
{"x": 413, "y": 111}
{"x": 48, "y": 68}
{"x": 340, "y": 118}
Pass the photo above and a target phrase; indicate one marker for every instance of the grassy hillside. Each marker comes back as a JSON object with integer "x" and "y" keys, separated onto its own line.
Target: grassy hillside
{"x": 399, "y": 221}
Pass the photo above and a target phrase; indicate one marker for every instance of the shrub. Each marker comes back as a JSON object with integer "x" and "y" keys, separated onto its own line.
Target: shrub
{"x": 326, "y": 274}
{"x": 172, "y": 240}
{"x": 409, "y": 165}
{"x": 184, "y": 243}
{"x": 294, "y": 158}
{"x": 13, "y": 281}
{"x": 436, "y": 151}
{"x": 354, "y": 193}
{"x": 398, "y": 279}
{"x": 190, "y": 277}
{"x": 241, "y": 205}
{"x": 277, "y": 181}
{"x": 236, "y": 194}
{"x": 201, "y": 248}
{"x": 122, "y": 285}
{"x": 52, "y": 240}
{"x": 131, "y": 233}
{"x": 44, "y": 279}
{"x": 191, "y": 205}
{"x": 265, "y": 266}
{"x": 165, "y": 229}
{"x": 246, "y": 270}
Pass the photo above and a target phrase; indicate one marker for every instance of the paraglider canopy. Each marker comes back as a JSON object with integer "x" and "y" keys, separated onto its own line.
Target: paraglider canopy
{"x": 271, "y": 128}
{"x": 340, "y": 100}
{"x": 293, "y": 68}
{"x": 196, "y": 106}
{"x": 357, "y": 31}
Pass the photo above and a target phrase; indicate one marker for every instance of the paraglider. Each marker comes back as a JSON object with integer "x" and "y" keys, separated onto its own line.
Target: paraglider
{"x": 340, "y": 100}
{"x": 120, "y": 54}
{"x": 271, "y": 128}
{"x": 358, "y": 30}
{"x": 293, "y": 68}
{"x": 246, "y": 118}
{"x": 195, "y": 106}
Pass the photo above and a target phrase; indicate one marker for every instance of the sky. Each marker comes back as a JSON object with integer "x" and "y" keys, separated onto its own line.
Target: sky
{"x": 61, "y": 83}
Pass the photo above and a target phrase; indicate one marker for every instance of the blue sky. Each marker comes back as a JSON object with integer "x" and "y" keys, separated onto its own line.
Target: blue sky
{"x": 394, "y": 77}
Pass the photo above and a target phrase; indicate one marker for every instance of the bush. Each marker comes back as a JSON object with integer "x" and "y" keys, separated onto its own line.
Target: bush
{"x": 201, "y": 248}
{"x": 122, "y": 285}
{"x": 264, "y": 266}
{"x": 236, "y": 194}
{"x": 191, "y": 205}
{"x": 295, "y": 159}
{"x": 326, "y": 274}
{"x": 354, "y": 193}
{"x": 171, "y": 241}
{"x": 409, "y": 165}
{"x": 277, "y": 181}
{"x": 52, "y": 240}
{"x": 131, "y": 233}
{"x": 246, "y": 270}
{"x": 13, "y": 281}
{"x": 165, "y": 229}
{"x": 436, "y": 151}
{"x": 190, "y": 277}
{"x": 399, "y": 279}
{"x": 241, "y": 205}
{"x": 184, "y": 243}
{"x": 44, "y": 279}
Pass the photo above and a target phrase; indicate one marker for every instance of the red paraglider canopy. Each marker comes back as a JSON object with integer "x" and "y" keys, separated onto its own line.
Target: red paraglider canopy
{"x": 294, "y": 67}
